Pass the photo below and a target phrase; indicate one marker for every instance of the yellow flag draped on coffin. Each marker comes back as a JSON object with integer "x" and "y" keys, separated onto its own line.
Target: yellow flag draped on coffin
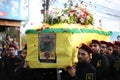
{"x": 55, "y": 46}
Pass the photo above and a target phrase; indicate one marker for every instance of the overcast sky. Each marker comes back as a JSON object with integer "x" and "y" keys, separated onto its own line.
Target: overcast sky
{"x": 36, "y": 17}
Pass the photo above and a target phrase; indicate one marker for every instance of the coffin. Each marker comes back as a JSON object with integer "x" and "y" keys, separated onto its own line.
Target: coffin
{"x": 56, "y": 46}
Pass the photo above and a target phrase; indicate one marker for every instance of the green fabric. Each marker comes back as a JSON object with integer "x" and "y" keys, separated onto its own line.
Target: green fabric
{"x": 67, "y": 30}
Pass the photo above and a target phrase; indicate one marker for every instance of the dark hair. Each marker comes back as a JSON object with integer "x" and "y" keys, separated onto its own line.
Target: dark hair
{"x": 7, "y": 35}
{"x": 25, "y": 46}
{"x": 20, "y": 51}
{"x": 48, "y": 37}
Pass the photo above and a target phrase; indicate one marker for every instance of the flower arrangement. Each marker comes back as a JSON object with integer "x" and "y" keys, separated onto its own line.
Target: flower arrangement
{"x": 75, "y": 14}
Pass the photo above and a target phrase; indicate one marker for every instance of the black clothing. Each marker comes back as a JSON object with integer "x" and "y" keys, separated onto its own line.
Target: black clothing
{"x": 117, "y": 65}
{"x": 2, "y": 72}
{"x": 12, "y": 67}
{"x": 2, "y": 65}
{"x": 115, "y": 53}
{"x": 84, "y": 71}
{"x": 116, "y": 68}
{"x": 111, "y": 71}
{"x": 101, "y": 64}
{"x": 44, "y": 74}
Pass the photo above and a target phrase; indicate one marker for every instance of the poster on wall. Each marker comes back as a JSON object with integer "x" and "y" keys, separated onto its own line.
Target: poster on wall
{"x": 47, "y": 48}
{"x": 13, "y": 9}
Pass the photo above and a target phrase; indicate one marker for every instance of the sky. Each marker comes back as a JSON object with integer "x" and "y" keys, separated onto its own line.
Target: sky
{"x": 99, "y": 11}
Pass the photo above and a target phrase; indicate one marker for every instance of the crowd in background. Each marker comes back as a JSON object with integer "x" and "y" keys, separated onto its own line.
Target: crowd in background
{"x": 100, "y": 60}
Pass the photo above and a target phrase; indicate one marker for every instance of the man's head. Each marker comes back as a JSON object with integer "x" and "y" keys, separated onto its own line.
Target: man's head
{"x": 95, "y": 45}
{"x": 103, "y": 47}
{"x": 47, "y": 39}
{"x": 12, "y": 50}
{"x": 19, "y": 53}
{"x": 84, "y": 53}
{"x": 8, "y": 37}
{"x": 24, "y": 51}
{"x": 117, "y": 46}
{"x": 110, "y": 48}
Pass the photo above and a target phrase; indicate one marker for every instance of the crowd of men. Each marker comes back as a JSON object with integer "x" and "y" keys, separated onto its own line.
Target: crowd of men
{"x": 104, "y": 64}
{"x": 100, "y": 60}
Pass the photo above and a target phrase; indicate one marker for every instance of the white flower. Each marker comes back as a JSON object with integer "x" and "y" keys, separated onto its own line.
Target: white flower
{"x": 82, "y": 20}
{"x": 64, "y": 17}
{"x": 88, "y": 17}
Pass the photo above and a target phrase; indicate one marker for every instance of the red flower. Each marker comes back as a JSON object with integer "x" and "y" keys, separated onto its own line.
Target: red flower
{"x": 76, "y": 6}
{"x": 47, "y": 55}
{"x": 72, "y": 11}
{"x": 44, "y": 25}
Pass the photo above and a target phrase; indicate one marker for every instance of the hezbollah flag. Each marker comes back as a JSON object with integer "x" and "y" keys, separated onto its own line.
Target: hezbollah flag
{"x": 56, "y": 46}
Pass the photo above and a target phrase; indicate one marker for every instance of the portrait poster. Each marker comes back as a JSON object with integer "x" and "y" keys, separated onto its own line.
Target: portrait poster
{"x": 47, "y": 48}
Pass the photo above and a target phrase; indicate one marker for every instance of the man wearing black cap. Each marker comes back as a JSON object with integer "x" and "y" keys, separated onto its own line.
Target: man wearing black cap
{"x": 83, "y": 70}
{"x": 98, "y": 61}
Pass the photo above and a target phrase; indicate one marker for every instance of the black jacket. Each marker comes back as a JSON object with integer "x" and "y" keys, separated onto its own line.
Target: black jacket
{"x": 84, "y": 71}
{"x": 101, "y": 64}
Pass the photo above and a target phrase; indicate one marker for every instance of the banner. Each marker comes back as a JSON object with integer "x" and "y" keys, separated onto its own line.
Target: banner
{"x": 56, "y": 46}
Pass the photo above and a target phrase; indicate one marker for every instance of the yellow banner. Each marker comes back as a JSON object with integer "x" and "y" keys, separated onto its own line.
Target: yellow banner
{"x": 57, "y": 49}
